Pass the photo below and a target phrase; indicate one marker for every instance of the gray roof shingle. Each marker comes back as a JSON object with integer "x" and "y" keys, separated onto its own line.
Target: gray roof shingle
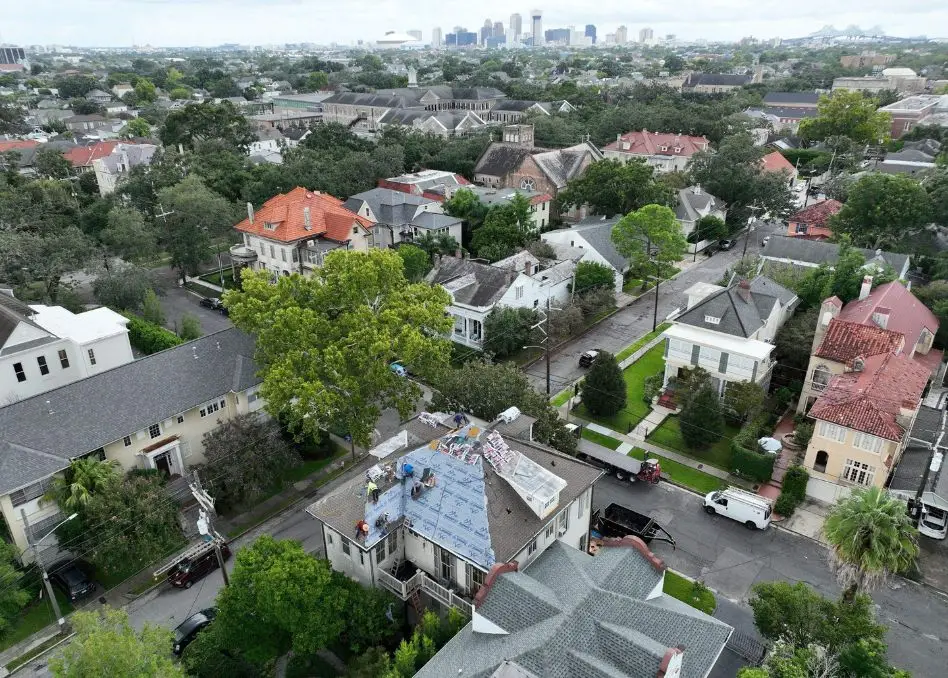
{"x": 563, "y": 619}
{"x": 817, "y": 252}
{"x": 500, "y": 159}
{"x": 736, "y": 315}
{"x": 472, "y": 282}
{"x": 597, "y": 231}
{"x": 85, "y": 415}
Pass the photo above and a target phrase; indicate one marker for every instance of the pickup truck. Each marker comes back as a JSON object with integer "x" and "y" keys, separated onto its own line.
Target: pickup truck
{"x": 620, "y": 521}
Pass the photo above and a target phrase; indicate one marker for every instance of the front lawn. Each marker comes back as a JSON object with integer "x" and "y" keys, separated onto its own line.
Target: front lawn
{"x": 562, "y": 397}
{"x": 632, "y": 348}
{"x": 635, "y": 409}
{"x": 698, "y": 596}
{"x": 668, "y": 435}
{"x": 681, "y": 474}
{"x": 600, "y": 439}
{"x": 35, "y": 617}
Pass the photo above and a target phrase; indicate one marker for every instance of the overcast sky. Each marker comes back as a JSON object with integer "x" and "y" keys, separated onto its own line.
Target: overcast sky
{"x": 212, "y": 22}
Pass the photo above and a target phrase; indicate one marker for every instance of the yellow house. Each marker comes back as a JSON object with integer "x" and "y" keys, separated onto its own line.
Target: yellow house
{"x": 148, "y": 414}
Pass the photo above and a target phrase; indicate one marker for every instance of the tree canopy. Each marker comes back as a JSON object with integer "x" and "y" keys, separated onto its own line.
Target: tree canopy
{"x": 882, "y": 209}
{"x": 197, "y": 122}
{"x": 611, "y": 187}
{"x": 604, "y": 389}
{"x": 846, "y": 113}
{"x": 651, "y": 233}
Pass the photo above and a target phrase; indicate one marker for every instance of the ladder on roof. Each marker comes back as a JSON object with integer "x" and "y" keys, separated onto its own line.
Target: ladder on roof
{"x": 741, "y": 493}
{"x": 193, "y": 551}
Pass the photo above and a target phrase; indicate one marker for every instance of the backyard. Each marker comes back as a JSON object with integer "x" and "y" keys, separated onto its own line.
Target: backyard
{"x": 636, "y": 409}
{"x": 668, "y": 435}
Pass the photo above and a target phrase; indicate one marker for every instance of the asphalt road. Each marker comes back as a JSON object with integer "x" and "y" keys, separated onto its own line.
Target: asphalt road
{"x": 730, "y": 559}
{"x": 621, "y": 329}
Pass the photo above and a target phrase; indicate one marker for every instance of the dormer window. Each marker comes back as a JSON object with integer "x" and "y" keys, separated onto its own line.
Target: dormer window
{"x": 663, "y": 148}
{"x": 269, "y": 226}
{"x": 677, "y": 149}
{"x": 711, "y": 320}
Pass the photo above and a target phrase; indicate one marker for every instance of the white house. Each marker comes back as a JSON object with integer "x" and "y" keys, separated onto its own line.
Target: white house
{"x": 45, "y": 347}
{"x": 539, "y": 202}
{"x": 694, "y": 204}
{"x": 477, "y": 288}
{"x": 593, "y": 236}
{"x": 450, "y": 505}
{"x": 728, "y": 331}
{"x": 403, "y": 217}
{"x": 110, "y": 169}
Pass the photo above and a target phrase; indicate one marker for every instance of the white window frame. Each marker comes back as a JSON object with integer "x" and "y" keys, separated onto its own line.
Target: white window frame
{"x": 831, "y": 431}
{"x": 868, "y": 442}
{"x": 91, "y": 357}
{"x": 532, "y": 547}
{"x": 152, "y": 431}
{"x": 127, "y": 441}
{"x": 346, "y": 547}
{"x": 63, "y": 359}
{"x": 711, "y": 320}
{"x": 859, "y": 473}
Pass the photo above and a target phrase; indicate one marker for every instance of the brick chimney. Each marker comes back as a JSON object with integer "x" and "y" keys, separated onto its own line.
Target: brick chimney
{"x": 881, "y": 317}
{"x": 744, "y": 290}
{"x": 528, "y": 267}
{"x": 866, "y": 287}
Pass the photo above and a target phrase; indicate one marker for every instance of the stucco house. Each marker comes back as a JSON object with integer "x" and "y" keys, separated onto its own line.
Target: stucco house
{"x": 871, "y": 362}
{"x": 453, "y": 502}
{"x": 728, "y": 331}
{"x": 150, "y": 413}
{"x": 663, "y": 151}
{"x": 812, "y": 222}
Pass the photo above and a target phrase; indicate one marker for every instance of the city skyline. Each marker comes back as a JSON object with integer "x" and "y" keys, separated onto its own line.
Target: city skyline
{"x": 254, "y": 22}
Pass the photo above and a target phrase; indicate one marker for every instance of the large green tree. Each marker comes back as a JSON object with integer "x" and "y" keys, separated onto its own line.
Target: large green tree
{"x": 850, "y": 114}
{"x": 871, "y": 536}
{"x": 611, "y": 187}
{"x": 84, "y": 479}
{"x": 650, "y": 234}
{"x": 105, "y": 644}
{"x": 197, "y": 122}
{"x": 604, "y": 389}
{"x": 51, "y": 164}
{"x": 416, "y": 261}
{"x": 12, "y": 597}
{"x": 507, "y": 330}
{"x": 701, "y": 419}
{"x": 593, "y": 276}
{"x": 502, "y": 234}
{"x": 324, "y": 342}
{"x": 882, "y": 209}
{"x": 126, "y": 234}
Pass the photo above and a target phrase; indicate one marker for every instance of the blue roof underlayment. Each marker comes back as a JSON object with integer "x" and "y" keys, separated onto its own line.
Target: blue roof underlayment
{"x": 452, "y": 514}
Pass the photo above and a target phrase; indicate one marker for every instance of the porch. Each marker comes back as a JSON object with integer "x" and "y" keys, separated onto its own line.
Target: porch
{"x": 421, "y": 582}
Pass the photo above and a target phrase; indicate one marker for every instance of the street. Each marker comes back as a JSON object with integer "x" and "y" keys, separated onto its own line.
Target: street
{"x": 619, "y": 330}
{"x": 730, "y": 559}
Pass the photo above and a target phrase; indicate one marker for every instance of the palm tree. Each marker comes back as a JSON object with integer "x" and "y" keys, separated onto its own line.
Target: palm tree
{"x": 82, "y": 479}
{"x": 870, "y": 536}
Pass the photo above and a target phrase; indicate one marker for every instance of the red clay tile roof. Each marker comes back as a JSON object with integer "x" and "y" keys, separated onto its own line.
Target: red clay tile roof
{"x": 870, "y": 400}
{"x": 907, "y": 315}
{"x": 328, "y": 217}
{"x": 775, "y": 162}
{"x": 845, "y": 341}
{"x": 15, "y": 144}
{"x": 82, "y": 156}
{"x": 817, "y": 214}
{"x": 650, "y": 143}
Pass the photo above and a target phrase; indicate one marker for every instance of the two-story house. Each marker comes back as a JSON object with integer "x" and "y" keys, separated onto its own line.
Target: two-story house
{"x": 110, "y": 168}
{"x": 539, "y": 202}
{"x": 477, "y": 288}
{"x": 403, "y": 217}
{"x": 151, "y": 413}
{"x": 871, "y": 362}
{"x": 663, "y": 151}
{"x": 294, "y": 231}
{"x": 438, "y": 517}
{"x": 593, "y": 236}
{"x": 694, "y": 203}
{"x": 812, "y": 222}
{"x": 436, "y": 185}
{"x": 728, "y": 331}
{"x": 45, "y": 347}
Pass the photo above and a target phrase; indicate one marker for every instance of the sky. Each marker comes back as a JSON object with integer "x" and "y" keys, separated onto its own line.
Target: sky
{"x": 259, "y": 22}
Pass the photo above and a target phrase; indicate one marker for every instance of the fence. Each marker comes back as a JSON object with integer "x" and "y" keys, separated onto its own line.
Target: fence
{"x": 420, "y": 580}
{"x": 642, "y": 351}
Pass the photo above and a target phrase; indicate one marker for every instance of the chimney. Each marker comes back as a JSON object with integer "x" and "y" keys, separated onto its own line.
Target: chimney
{"x": 528, "y": 267}
{"x": 437, "y": 259}
{"x": 881, "y": 317}
{"x": 250, "y": 212}
{"x": 744, "y": 289}
{"x": 866, "y": 287}
{"x": 697, "y": 189}
{"x": 457, "y": 253}
{"x": 307, "y": 223}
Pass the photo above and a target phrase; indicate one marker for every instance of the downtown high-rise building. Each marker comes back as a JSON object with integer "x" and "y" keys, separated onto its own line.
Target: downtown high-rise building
{"x": 486, "y": 31}
{"x": 498, "y": 31}
{"x": 591, "y": 33}
{"x": 436, "y": 37}
{"x": 536, "y": 27}
{"x": 622, "y": 35}
{"x": 646, "y": 36}
{"x": 516, "y": 27}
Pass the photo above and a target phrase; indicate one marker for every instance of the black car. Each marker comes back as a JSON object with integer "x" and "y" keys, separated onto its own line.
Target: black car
{"x": 726, "y": 244}
{"x": 71, "y": 577}
{"x": 587, "y": 358}
{"x": 187, "y": 630}
{"x": 212, "y": 303}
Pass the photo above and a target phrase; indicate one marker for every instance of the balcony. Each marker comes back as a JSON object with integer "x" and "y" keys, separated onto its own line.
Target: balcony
{"x": 420, "y": 581}
{"x": 241, "y": 254}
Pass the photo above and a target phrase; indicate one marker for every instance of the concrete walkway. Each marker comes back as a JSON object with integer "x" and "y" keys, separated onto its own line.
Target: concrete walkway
{"x": 631, "y": 442}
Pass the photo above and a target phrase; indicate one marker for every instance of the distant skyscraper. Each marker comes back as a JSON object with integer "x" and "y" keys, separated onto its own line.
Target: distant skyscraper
{"x": 516, "y": 26}
{"x": 417, "y": 35}
{"x": 622, "y": 35}
{"x": 498, "y": 31}
{"x": 591, "y": 33}
{"x": 436, "y": 37}
{"x": 536, "y": 26}
{"x": 486, "y": 30}
{"x": 646, "y": 35}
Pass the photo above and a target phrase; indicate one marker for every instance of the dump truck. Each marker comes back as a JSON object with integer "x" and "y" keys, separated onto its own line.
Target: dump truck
{"x": 617, "y": 521}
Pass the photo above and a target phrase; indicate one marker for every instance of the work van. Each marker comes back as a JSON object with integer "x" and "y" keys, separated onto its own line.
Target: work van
{"x": 740, "y": 505}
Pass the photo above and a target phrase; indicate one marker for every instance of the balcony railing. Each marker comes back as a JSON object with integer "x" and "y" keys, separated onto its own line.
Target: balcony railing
{"x": 420, "y": 580}
{"x": 242, "y": 254}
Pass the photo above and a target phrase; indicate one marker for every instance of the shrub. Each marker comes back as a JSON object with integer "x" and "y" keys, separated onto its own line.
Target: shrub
{"x": 794, "y": 482}
{"x": 148, "y": 337}
{"x": 752, "y": 465}
{"x": 701, "y": 420}
{"x": 785, "y": 505}
{"x": 653, "y": 386}
{"x": 803, "y": 432}
{"x": 604, "y": 391}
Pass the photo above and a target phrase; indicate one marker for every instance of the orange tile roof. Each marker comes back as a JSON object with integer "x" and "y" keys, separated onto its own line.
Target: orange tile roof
{"x": 907, "y": 315}
{"x": 328, "y": 217}
{"x": 82, "y": 156}
{"x": 650, "y": 143}
{"x": 775, "y": 162}
{"x": 845, "y": 341}
{"x": 15, "y": 144}
{"x": 817, "y": 214}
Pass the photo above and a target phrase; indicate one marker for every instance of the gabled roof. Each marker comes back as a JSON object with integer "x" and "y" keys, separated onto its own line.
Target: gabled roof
{"x": 692, "y": 199}
{"x": 571, "y": 614}
{"x": 844, "y": 341}
{"x": 328, "y": 217}
{"x": 870, "y": 400}
{"x": 80, "y": 417}
{"x": 790, "y": 112}
{"x": 388, "y": 205}
{"x": 818, "y": 252}
{"x": 517, "y": 105}
{"x": 500, "y": 158}
{"x": 472, "y": 283}
{"x": 566, "y": 163}
{"x": 818, "y": 213}
{"x": 651, "y": 143}
{"x": 775, "y": 162}
{"x": 597, "y": 231}
{"x": 83, "y": 156}
{"x": 739, "y": 310}
{"x": 12, "y": 313}
{"x": 907, "y": 315}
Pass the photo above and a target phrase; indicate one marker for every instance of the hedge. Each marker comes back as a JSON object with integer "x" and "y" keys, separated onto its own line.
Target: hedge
{"x": 752, "y": 465}
{"x": 793, "y": 492}
{"x": 150, "y": 338}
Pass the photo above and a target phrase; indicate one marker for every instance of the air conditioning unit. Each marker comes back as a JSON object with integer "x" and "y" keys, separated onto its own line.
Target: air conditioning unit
{"x": 509, "y": 415}
{"x": 560, "y": 531}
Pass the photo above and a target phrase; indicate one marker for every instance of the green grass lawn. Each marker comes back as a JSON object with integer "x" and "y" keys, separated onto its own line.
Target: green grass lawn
{"x": 635, "y": 409}
{"x": 680, "y": 474}
{"x": 562, "y": 397}
{"x": 639, "y": 343}
{"x": 699, "y": 597}
{"x": 35, "y": 617}
{"x": 668, "y": 435}
{"x": 215, "y": 278}
{"x": 600, "y": 439}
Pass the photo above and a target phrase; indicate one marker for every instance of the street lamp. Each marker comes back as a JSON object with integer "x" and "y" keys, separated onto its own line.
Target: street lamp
{"x": 39, "y": 559}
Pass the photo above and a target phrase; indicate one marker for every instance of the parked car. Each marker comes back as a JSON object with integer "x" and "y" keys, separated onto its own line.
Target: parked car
{"x": 587, "y": 358}
{"x": 398, "y": 369}
{"x": 72, "y": 578}
{"x": 223, "y": 311}
{"x": 740, "y": 505}
{"x": 212, "y": 303}
{"x": 187, "y": 630}
{"x": 190, "y": 570}
{"x": 725, "y": 244}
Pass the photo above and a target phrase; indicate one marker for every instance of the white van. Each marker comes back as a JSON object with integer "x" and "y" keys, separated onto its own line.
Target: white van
{"x": 740, "y": 505}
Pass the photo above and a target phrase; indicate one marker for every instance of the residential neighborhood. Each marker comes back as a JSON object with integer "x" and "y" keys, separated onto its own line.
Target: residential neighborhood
{"x": 518, "y": 352}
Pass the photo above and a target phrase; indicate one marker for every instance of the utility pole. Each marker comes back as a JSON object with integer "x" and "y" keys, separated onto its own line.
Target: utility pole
{"x": 39, "y": 559}
{"x": 547, "y": 344}
{"x": 207, "y": 517}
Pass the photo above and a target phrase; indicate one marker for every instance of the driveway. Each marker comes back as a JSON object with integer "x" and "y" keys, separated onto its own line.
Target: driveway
{"x": 631, "y": 322}
{"x": 731, "y": 559}
{"x": 177, "y": 301}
